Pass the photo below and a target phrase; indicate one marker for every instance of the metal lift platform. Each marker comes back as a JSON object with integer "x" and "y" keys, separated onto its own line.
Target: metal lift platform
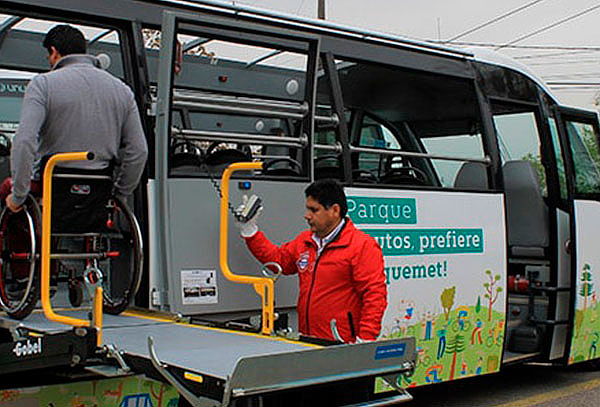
{"x": 203, "y": 363}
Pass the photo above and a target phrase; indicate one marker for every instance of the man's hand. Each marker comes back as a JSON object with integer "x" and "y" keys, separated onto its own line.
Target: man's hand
{"x": 11, "y": 205}
{"x": 249, "y": 227}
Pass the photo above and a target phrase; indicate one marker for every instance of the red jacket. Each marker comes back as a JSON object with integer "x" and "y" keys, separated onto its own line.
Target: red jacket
{"x": 347, "y": 282}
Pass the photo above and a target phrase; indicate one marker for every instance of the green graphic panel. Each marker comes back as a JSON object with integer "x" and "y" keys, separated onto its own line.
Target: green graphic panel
{"x": 136, "y": 391}
{"x": 462, "y": 344}
{"x": 586, "y": 329}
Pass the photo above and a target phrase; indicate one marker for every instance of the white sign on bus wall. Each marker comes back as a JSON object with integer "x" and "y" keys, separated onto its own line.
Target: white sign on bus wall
{"x": 445, "y": 268}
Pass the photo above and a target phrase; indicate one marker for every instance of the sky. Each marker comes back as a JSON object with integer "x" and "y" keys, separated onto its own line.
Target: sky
{"x": 559, "y": 40}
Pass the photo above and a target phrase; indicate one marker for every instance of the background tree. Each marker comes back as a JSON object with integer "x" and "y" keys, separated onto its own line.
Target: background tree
{"x": 447, "y": 299}
{"x": 587, "y": 287}
{"x": 478, "y": 306}
{"x": 491, "y": 292}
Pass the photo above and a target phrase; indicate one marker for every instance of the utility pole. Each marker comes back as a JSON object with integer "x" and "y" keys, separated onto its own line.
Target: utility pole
{"x": 321, "y": 9}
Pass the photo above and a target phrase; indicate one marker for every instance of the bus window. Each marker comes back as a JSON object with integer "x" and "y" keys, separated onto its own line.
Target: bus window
{"x": 586, "y": 157}
{"x": 397, "y": 109}
{"x": 328, "y": 164}
{"x": 28, "y": 33}
{"x": 17, "y": 67}
{"x": 560, "y": 163}
{"x": 237, "y": 102}
{"x": 376, "y": 135}
{"x": 467, "y": 145}
{"x": 518, "y": 138}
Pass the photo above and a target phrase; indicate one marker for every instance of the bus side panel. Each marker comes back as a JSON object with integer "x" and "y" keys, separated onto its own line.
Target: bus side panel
{"x": 586, "y": 324}
{"x": 445, "y": 265}
{"x": 121, "y": 391}
{"x": 196, "y": 283}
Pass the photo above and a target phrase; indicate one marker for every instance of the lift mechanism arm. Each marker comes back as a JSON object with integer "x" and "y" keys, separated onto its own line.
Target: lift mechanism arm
{"x": 264, "y": 286}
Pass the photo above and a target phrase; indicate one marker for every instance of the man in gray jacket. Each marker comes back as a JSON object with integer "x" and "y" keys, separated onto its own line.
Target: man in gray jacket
{"x": 77, "y": 106}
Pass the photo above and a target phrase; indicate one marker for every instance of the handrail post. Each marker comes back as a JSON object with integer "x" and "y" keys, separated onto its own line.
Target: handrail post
{"x": 45, "y": 254}
{"x": 263, "y": 286}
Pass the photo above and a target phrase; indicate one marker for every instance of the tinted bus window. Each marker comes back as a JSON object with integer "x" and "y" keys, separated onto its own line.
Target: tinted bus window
{"x": 518, "y": 139}
{"x": 466, "y": 145}
{"x": 560, "y": 163}
{"x": 586, "y": 157}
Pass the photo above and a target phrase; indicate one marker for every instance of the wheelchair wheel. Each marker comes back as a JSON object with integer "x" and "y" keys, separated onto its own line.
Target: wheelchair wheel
{"x": 122, "y": 268}
{"x": 19, "y": 265}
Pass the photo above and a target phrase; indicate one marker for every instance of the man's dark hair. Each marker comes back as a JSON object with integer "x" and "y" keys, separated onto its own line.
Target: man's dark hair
{"x": 66, "y": 39}
{"x": 328, "y": 192}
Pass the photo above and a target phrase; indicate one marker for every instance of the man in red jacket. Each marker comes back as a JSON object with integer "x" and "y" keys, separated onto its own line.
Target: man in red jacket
{"x": 340, "y": 268}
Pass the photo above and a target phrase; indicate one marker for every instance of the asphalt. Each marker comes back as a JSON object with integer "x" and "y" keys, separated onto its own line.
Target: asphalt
{"x": 519, "y": 386}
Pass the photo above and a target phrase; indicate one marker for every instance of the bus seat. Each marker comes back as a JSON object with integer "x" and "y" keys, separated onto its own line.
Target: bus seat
{"x": 471, "y": 175}
{"x": 218, "y": 160}
{"x": 186, "y": 158}
{"x": 527, "y": 213}
{"x": 282, "y": 167}
{"x": 329, "y": 172}
{"x": 403, "y": 176}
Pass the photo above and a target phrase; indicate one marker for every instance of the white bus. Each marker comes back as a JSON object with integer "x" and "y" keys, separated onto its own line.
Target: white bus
{"x": 482, "y": 190}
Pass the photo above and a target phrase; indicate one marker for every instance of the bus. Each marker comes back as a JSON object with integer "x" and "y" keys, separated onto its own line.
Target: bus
{"x": 480, "y": 187}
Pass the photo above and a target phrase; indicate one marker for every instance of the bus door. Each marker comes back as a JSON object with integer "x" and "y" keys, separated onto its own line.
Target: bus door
{"x": 579, "y": 130}
{"x": 228, "y": 90}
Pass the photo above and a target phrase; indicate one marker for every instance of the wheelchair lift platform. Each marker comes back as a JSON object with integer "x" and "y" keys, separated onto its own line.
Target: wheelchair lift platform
{"x": 208, "y": 362}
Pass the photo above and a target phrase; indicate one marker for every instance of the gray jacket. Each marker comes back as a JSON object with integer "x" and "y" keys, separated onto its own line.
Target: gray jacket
{"x": 79, "y": 107}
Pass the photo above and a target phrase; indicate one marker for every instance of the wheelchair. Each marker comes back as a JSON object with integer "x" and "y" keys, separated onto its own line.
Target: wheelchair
{"x": 95, "y": 239}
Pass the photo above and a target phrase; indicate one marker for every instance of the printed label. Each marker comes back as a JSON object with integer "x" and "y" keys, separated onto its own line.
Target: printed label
{"x": 405, "y": 242}
{"x": 28, "y": 348}
{"x": 390, "y": 351}
{"x": 394, "y": 211}
{"x": 199, "y": 287}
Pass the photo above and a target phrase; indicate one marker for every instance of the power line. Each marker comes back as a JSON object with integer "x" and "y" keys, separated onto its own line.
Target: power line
{"x": 566, "y": 62}
{"x": 549, "y": 55}
{"x": 548, "y": 27}
{"x": 495, "y": 20}
{"x": 494, "y": 44}
{"x": 300, "y": 7}
{"x": 572, "y": 83}
{"x": 571, "y": 76}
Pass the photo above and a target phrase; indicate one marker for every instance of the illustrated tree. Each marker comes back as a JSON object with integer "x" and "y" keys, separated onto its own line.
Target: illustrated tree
{"x": 478, "y": 306}
{"x": 447, "y": 299}
{"x": 587, "y": 287}
{"x": 455, "y": 346}
{"x": 158, "y": 396}
{"x": 491, "y": 291}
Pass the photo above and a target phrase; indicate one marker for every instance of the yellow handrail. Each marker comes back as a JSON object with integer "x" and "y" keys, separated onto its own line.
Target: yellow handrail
{"x": 46, "y": 232}
{"x": 264, "y": 286}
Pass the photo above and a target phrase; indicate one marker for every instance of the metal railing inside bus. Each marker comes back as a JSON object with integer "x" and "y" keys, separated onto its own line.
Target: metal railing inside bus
{"x": 263, "y": 107}
{"x": 302, "y": 142}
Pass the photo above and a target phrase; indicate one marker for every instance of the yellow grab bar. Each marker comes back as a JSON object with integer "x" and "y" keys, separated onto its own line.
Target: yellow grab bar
{"x": 264, "y": 286}
{"x": 46, "y": 234}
